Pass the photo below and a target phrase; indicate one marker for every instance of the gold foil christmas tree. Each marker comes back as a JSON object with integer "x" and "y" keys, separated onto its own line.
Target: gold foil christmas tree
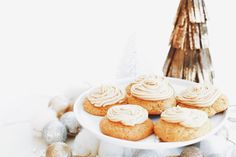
{"x": 189, "y": 57}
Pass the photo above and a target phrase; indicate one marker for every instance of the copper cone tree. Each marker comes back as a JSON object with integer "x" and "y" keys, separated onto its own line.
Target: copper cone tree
{"x": 189, "y": 57}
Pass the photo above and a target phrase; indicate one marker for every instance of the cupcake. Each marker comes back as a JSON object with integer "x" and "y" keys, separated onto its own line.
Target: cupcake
{"x": 181, "y": 124}
{"x": 128, "y": 122}
{"x": 140, "y": 79}
{"x": 100, "y": 99}
{"x": 152, "y": 93}
{"x": 203, "y": 97}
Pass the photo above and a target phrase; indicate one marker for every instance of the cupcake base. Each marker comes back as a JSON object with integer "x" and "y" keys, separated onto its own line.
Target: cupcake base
{"x": 173, "y": 132}
{"x": 131, "y": 133}
{"x": 220, "y": 105}
{"x": 153, "y": 107}
{"x": 98, "y": 111}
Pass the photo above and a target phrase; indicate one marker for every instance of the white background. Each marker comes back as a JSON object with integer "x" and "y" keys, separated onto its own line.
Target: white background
{"x": 49, "y": 46}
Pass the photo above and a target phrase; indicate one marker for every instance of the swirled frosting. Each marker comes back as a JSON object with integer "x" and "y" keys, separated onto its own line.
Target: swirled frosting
{"x": 141, "y": 78}
{"x": 106, "y": 95}
{"x": 152, "y": 88}
{"x": 200, "y": 95}
{"x": 190, "y": 118}
{"x": 128, "y": 115}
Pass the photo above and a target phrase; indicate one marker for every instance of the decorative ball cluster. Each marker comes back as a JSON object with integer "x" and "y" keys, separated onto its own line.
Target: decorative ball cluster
{"x": 62, "y": 123}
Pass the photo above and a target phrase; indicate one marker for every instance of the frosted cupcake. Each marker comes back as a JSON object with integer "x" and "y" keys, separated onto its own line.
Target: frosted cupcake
{"x": 137, "y": 80}
{"x": 152, "y": 93}
{"x": 203, "y": 97}
{"x": 100, "y": 99}
{"x": 129, "y": 122}
{"x": 182, "y": 124}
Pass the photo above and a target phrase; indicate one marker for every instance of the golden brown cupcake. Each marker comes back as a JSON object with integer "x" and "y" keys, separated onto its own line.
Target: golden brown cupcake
{"x": 153, "y": 93}
{"x": 203, "y": 97}
{"x": 100, "y": 99}
{"x": 182, "y": 124}
{"x": 128, "y": 122}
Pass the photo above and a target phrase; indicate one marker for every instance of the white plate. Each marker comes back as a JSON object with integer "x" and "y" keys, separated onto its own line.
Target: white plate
{"x": 91, "y": 122}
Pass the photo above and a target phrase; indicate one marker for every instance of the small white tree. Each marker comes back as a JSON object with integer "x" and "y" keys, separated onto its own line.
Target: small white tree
{"x": 128, "y": 65}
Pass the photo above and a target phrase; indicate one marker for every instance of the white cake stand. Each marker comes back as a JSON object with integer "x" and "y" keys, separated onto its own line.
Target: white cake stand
{"x": 91, "y": 123}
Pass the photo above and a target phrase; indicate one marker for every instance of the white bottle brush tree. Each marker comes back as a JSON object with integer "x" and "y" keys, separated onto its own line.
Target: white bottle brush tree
{"x": 128, "y": 65}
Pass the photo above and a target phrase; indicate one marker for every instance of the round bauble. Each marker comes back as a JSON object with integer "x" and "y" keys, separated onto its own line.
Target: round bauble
{"x": 60, "y": 104}
{"x": 58, "y": 149}
{"x": 85, "y": 144}
{"x": 71, "y": 123}
{"x": 54, "y": 131}
{"x": 145, "y": 153}
{"x": 40, "y": 119}
{"x": 108, "y": 149}
{"x": 191, "y": 152}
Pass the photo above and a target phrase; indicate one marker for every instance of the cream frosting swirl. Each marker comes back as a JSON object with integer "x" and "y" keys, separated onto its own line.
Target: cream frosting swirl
{"x": 200, "y": 95}
{"x": 106, "y": 95}
{"x": 190, "y": 118}
{"x": 152, "y": 88}
{"x": 141, "y": 78}
{"x": 128, "y": 115}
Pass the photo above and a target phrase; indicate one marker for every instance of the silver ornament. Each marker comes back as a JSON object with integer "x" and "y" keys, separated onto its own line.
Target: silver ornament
{"x": 71, "y": 123}
{"x": 54, "y": 131}
{"x": 85, "y": 144}
{"x": 214, "y": 144}
{"x": 59, "y": 104}
{"x": 145, "y": 153}
{"x": 58, "y": 149}
{"x": 107, "y": 149}
{"x": 191, "y": 152}
{"x": 40, "y": 119}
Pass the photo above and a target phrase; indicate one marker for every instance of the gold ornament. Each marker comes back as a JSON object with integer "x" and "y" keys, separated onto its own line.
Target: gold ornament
{"x": 58, "y": 149}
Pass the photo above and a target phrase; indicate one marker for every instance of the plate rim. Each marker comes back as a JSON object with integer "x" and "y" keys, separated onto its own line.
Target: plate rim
{"x": 134, "y": 144}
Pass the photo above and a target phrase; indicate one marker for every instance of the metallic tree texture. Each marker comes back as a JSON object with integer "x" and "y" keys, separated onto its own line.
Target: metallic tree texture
{"x": 189, "y": 57}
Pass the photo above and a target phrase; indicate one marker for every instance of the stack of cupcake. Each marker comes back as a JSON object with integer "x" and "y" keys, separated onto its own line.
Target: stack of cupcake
{"x": 183, "y": 116}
